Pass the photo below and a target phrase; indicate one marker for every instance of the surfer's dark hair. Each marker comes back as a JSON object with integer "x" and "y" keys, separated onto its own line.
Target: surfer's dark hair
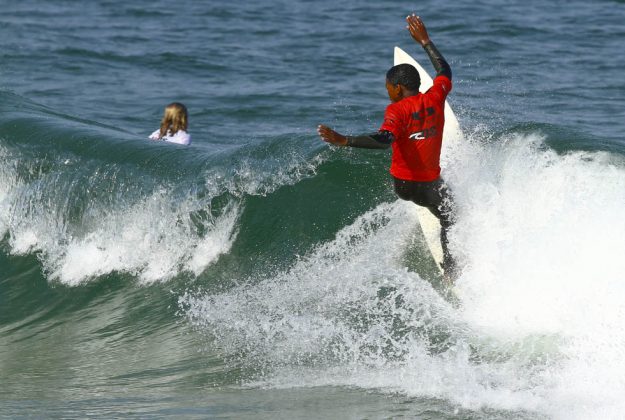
{"x": 405, "y": 75}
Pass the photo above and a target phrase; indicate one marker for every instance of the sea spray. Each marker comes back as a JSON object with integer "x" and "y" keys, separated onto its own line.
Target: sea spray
{"x": 542, "y": 234}
{"x": 340, "y": 304}
{"x": 351, "y": 314}
{"x": 538, "y": 235}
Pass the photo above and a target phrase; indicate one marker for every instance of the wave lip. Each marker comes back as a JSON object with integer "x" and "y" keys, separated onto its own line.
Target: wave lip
{"x": 135, "y": 243}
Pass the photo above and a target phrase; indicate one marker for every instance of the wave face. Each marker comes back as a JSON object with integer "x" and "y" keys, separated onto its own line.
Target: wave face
{"x": 259, "y": 273}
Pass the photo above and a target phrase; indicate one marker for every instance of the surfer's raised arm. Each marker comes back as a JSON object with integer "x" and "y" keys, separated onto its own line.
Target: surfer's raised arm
{"x": 400, "y": 84}
{"x": 420, "y": 34}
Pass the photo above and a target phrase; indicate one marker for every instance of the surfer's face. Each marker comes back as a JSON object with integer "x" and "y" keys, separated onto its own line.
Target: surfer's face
{"x": 394, "y": 92}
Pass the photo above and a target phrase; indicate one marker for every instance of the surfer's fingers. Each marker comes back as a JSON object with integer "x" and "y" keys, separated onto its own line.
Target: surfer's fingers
{"x": 412, "y": 24}
{"x": 324, "y": 130}
{"x": 413, "y": 30}
{"x": 415, "y": 21}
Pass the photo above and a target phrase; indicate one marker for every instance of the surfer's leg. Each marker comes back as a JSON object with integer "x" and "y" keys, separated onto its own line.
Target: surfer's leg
{"x": 441, "y": 206}
{"x": 412, "y": 191}
{"x": 437, "y": 198}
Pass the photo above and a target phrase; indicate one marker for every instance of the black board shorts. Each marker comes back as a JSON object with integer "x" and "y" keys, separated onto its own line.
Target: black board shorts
{"x": 434, "y": 195}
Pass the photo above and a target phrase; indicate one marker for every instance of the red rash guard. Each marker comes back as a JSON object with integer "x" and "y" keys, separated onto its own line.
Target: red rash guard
{"x": 417, "y": 125}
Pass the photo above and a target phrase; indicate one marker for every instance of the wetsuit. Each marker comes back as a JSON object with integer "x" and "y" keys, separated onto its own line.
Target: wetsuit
{"x": 413, "y": 127}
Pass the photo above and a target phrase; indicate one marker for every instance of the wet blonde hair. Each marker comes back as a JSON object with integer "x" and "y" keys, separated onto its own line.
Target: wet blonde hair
{"x": 175, "y": 118}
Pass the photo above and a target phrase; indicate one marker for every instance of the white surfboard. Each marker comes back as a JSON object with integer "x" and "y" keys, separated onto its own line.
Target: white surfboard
{"x": 451, "y": 133}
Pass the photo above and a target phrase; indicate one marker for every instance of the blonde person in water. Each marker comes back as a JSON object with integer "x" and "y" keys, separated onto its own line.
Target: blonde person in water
{"x": 174, "y": 125}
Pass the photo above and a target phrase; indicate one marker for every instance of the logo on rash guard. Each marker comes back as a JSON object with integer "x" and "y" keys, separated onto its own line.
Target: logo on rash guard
{"x": 419, "y": 115}
{"x": 422, "y": 135}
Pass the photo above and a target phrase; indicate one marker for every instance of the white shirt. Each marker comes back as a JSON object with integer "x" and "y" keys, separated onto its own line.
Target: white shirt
{"x": 181, "y": 137}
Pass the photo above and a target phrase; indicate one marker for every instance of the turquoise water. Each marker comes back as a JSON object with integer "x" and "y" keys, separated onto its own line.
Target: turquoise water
{"x": 259, "y": 273}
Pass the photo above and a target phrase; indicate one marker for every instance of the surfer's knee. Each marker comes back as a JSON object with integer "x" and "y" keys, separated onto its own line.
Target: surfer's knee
{"x": 402, "y": 190}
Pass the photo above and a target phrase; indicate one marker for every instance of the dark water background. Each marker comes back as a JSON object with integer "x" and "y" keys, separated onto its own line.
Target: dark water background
{"x": 259, "y": 273}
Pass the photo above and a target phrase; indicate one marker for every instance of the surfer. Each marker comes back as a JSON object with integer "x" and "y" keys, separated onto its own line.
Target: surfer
{"x": 413, "y": 127}
{"x": 174, "y": 125}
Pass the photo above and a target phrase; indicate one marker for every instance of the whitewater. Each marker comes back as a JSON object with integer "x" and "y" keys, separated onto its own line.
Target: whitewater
{"x": 540, "y": 294}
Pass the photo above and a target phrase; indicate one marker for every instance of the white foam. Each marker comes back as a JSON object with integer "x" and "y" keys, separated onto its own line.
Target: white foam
{"x": 540, "y": 325}
{"x": 541, "y": 234}
{"x": 150, "y": 240}
{"x": 212, "y": 245}
{"x": 24, "y": 242}
{"x": 5, "y": 187}
{"x": 153, "y": 239}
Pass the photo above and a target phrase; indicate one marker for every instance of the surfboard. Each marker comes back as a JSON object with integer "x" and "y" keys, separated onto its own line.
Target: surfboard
{"x": 430, "y": 225}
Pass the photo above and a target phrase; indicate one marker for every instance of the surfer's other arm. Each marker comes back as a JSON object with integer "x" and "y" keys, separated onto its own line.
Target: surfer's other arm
{"x": 379, "y": 140}
{"x": 420, "y": 34}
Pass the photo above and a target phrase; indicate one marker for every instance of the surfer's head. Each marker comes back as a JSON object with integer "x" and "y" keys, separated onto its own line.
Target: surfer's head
{"x": 402, "y": 75}
{"x": 175, "y": 118}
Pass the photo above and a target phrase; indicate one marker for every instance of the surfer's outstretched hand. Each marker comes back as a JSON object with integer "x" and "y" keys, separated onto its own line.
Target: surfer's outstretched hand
{"x": 330, "y": 136}
{"x": 417, "y": 29}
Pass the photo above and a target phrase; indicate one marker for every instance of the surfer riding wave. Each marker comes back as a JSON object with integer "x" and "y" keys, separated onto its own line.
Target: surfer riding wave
{"x": 413, "y": 128}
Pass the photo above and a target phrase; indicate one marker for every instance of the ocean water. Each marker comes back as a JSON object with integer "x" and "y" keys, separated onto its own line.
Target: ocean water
{"x": 260, "y": 273}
